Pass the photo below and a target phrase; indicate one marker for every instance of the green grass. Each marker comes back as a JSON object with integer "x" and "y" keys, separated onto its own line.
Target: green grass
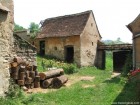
{"x": 103, "y": 91}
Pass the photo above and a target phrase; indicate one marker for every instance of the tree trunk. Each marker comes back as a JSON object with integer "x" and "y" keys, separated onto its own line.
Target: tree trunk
{"x": 51, "y": 74}
{"x": 46, "y": 83}
{"x": 57, "y": 82}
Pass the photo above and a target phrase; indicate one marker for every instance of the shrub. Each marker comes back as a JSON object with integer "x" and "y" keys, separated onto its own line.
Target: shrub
{"x": 69, "y": 68}
{"x": 127, "y": 66}
{"x": 14, "y": 90}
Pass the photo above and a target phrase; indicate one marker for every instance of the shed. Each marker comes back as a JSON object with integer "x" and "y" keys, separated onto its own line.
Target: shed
{"x": 72, "y": 38}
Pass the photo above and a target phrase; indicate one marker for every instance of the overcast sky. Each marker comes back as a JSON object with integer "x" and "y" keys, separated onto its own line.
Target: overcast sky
{"x": 111, "y": 16}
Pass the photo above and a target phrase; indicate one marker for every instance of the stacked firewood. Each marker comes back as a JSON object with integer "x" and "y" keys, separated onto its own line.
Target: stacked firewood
{"x": 26, "y": 75}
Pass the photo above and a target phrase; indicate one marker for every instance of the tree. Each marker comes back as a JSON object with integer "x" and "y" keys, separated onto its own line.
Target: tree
{"x": 18, "y": 27}
{"x": 34, "y": 29}
{"x": 118, "y": 41}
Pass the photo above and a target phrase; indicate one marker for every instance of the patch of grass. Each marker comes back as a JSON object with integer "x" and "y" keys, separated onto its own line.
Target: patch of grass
{"x": 106, "y": 90}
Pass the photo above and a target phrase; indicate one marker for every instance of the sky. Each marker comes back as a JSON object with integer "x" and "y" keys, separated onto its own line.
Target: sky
{"x": 111, "y": 16}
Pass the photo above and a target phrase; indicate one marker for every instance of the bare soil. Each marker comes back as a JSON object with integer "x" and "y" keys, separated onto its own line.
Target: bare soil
{"x": 72, "y": 80}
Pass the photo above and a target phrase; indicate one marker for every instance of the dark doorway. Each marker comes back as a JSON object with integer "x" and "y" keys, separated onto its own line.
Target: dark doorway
{"x": 119, "y": 59}
{"x": 42, "y": 48}
{"x": 69, "y": 54}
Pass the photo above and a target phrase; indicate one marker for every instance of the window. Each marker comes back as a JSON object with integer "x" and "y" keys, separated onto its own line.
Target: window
{"x": 91, "y": 24}
{"x": 55, "y": 48}
{"x": 92, "y": 43}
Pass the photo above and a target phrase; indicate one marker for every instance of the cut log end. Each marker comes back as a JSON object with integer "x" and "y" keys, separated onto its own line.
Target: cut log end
{"x": 59, "y": 81}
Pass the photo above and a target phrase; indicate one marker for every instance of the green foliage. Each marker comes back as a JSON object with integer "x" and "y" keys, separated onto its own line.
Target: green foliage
{"x": 34, "y": 29}
{"x": 14, "y": 90}
{"x": 128, "y": 65}
{"x": 111, "y": 42}
{"x": 18, "y": 27}
{"x": 49, "y": 62}
{"x": 70, "y": 68}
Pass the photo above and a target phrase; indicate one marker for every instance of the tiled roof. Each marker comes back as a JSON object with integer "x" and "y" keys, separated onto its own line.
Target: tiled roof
{"x": 68, "y": 25}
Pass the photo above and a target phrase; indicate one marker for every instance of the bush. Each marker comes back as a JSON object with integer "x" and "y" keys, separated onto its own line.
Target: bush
{"x": 127, "y": 66}
{"x": 14, "y": 90}
{"x": 69, "y": 68}
{"x": 50, "y": 61}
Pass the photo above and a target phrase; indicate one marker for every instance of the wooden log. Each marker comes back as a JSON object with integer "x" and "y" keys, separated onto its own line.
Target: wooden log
{"x": 36, "y": 84}
{"x": 21, "y": 82}
{"x": 23, "y": 63}
{"x": 22, "y": 68}
{"x": 29, "y": 68}
{"x": 57, "y": 82}
{"x": 19, "y": 60}
{"x": 37, "y": 78}
{"x": 14, "y": 64}
{"x": 42, "y": 76}
{"x": 46, "y": 83}
{"x": 27, "y": 73}
{"x": 36, "y": 73}
{"x": 32, "y": 74}
{"x": 34, "y": 68}
{"x": 22, "y": 75}
{"x": 28, "y": 80}
{"x": 14, "y": 69}
{"x": 15, "y": 59}
{"x": 14, "y": 76}
{"x": 50, "y": 74}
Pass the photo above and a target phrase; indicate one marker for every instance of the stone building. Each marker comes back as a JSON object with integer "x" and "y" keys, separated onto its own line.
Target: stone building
{"x": 134, "y": 27}
{"x": 24, "y": 34}
{"x": 6, "y": 42}
{"x": 72, "y": 38}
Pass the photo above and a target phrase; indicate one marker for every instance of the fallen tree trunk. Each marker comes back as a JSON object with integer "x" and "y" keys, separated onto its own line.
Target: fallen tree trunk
{"x": 46, "y": 83}
{"x": 57, "y": 82}
{"x": 51, "y": 74}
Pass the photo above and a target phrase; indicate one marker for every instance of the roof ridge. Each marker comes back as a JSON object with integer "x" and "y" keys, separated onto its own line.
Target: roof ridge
{"x": 75, "y": 14}
{"x": 134, "y": 19}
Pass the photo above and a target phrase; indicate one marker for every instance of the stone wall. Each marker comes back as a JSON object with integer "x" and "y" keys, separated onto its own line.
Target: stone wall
{"x": 24, "y": 34}
{"x": 24, "y": 50}
{"x": 6, "y": 40}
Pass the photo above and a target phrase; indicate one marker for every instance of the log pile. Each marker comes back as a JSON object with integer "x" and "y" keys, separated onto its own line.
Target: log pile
{"x": 26, "y": 75}
{"x": 49, "y": 78}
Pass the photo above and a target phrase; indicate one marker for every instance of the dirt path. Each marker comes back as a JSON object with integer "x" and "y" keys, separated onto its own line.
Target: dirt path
{"x": 115, "y": 74}
{"x": 72, "y": 80}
